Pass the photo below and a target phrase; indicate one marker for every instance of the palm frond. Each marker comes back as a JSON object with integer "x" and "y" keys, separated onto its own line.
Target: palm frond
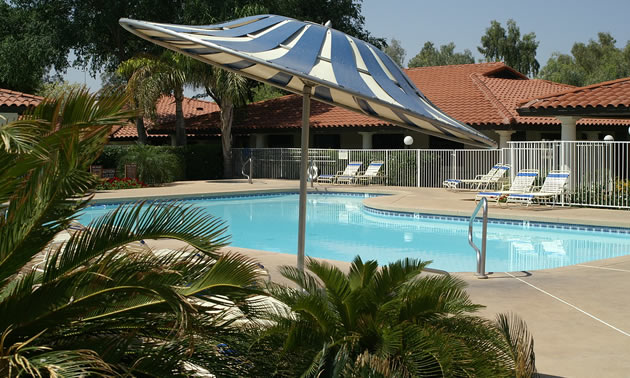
{"x": 520, "y": 343}
{"x": 129, "y": 223}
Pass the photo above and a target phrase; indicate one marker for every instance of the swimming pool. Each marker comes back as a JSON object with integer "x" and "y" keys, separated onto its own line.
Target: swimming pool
{"x": 340, "y": 227}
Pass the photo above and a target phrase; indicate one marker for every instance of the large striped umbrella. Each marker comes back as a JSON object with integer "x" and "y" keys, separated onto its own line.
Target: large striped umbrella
{"x": 318, "y": 62}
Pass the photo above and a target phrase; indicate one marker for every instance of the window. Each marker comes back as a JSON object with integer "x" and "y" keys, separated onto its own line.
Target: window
{"x": 388, "y": 141}
{"x": 435, "y": 142}
{"x": 550, "y": 136}
{"x": 326, "y": 141}
{"x": 280, "y": 141}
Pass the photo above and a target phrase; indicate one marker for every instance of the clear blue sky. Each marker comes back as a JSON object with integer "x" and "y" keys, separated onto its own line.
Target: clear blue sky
{"x": 557, "y": 23}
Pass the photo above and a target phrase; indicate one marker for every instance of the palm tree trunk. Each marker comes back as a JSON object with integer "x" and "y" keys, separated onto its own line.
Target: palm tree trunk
{"x": 227, "y": 115}
{"x": 180, "y": 127}
{"x": 142, "y": 133}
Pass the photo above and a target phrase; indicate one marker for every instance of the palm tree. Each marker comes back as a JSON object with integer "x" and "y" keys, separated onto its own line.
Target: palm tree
{"x": 228, "y": 90}
{"x": 92, "y": 305}
{"x": 392, "y": 322}
{"x": 149, "y": 77}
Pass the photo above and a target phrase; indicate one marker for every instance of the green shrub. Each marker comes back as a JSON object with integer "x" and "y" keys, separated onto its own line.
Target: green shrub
{"x": 196, "y": 161}
{"x": 401, "y": 168}
{"x": 110, "y": 157}
{"x": 156, "y": 164}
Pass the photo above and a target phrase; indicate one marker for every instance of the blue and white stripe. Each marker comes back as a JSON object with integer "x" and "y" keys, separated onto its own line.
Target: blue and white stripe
{"x": 288, "y": 53}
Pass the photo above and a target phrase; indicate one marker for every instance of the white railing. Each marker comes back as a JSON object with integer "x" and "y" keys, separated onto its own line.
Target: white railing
{"x": 420, "y": 168}
{"x": 599, "y": 170}
{"x": 600, "y": 175}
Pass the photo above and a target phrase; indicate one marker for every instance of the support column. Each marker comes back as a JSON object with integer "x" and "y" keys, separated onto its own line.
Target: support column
{"x": 306, "y": 112}
{"x": 567, "y": 150}
{"x": 504, "y": 137}
{"x": 568, "y": 128}
{"x": 260, "y": 140}
{"x": 366, "y": 139}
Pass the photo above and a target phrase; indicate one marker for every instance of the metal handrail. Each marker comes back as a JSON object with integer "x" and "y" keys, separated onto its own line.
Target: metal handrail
{"x": 481, "y": 254}
{"x": 249, "y": 176}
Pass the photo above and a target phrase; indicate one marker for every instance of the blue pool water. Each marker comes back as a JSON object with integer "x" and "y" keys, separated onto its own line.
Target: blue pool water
{"x": 339, "y": 227}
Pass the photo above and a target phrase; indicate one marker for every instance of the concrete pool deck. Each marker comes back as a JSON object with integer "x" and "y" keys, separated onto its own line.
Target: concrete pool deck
{"x": 578, "y": 314}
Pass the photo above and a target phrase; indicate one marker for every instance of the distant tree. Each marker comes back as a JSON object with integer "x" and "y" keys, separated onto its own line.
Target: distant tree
{"x": 561, "y": 68}
{"x": 263, "y": 92}
{"x": 58, "y": 88}
{"x": 508, "y": 46}
{"x": 396, "y": 52}
{"x": 589, "y": 63}
{"x": 446, "y": 55}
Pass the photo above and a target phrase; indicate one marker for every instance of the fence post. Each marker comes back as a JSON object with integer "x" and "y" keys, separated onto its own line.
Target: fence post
{"x": 512, "y": 161}
{"x": 454, "y": 164}
{"x": 417, "y": 168}
{"x": 387, "y": 166}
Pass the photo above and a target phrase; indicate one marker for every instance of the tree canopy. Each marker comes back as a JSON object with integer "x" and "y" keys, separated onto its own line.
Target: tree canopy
{"x": 499, "y": 44}
{"x": 30, "y": 46}
{"x": 42, "y": 33}
{"x": 589, "y": 63}
{"x": 445, "y": 55}
{"x": 396, "y": 52}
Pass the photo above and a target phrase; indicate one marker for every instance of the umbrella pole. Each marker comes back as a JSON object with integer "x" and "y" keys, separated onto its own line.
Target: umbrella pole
{"x": 306, "y": 112}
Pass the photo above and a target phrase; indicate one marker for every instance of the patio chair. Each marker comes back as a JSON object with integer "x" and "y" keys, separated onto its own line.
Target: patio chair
{"x": 491, "y": 178}
{"x": 347, "y": 174}
{"x": 371, "y": 173}
{"x": 551, "y": 189}
{"x": 522, "y": 184}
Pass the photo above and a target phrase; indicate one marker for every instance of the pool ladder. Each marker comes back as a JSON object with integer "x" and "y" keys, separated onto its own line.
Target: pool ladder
{"x": 249, "y": 161}
{"x": 481, "y": 254}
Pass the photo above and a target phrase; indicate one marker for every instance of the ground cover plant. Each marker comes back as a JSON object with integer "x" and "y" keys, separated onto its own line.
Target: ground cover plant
{"x": 120, "y": 183}
{"x": 93, "y": 304}
{"x": 390, "y": 321}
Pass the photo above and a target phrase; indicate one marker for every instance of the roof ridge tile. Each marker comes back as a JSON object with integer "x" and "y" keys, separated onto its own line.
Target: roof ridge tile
{"x": 507, "y": 116}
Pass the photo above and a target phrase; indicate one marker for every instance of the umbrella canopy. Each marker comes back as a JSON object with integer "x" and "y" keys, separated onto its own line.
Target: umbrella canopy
{"x": 301, "y": 56}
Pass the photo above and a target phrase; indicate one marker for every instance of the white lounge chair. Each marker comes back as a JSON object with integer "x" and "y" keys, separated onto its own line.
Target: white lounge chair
{"x": 523, "y": 183}
{"x": 347, "y": 175}
{"x": 480, "y": 181}
{"x": 551, "y": 189}
{"x": 371, "y": 173}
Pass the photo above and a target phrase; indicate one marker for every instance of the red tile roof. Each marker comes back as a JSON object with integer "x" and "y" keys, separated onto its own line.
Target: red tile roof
{"x": 18, "y": 99}
{"x": 611, "y": 96}
{"x": 453, "y": 90}
{"x": 484, "y": 94}
{"x": 281, "y": 113}
{"x": 165, "y": 109}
